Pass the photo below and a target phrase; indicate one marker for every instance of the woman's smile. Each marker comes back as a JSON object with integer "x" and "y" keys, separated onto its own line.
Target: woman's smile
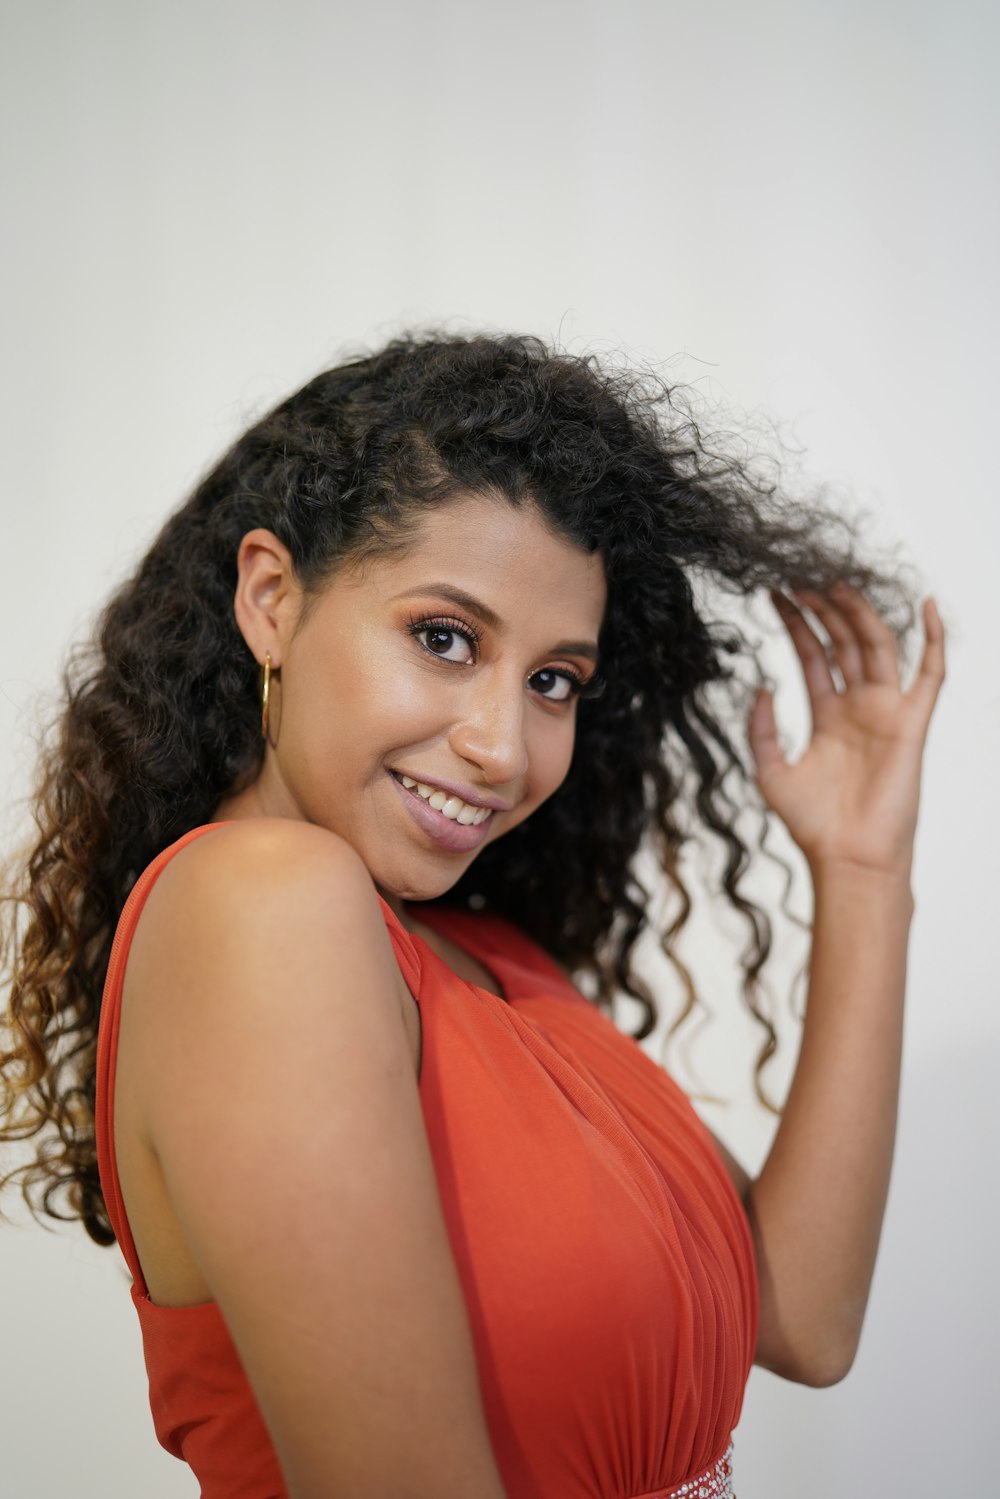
{"x": 444, "y": 829}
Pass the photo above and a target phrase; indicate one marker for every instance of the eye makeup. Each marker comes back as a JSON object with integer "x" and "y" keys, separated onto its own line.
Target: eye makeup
{"x": 418, "y": 625}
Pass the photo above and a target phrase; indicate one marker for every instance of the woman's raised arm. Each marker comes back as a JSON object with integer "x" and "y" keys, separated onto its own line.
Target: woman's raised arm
{"x": 850, "y": 802}
{"x": 282, "y": 1104}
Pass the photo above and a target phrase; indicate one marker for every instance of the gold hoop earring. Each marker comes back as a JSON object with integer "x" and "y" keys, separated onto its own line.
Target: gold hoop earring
{"x": 265, "y": 695}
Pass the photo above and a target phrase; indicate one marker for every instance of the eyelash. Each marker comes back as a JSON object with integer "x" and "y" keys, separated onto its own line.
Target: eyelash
{"x": 580, "y": 688}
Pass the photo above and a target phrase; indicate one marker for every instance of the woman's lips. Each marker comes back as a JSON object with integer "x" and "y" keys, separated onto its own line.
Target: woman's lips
{"x": 446, "y": 833}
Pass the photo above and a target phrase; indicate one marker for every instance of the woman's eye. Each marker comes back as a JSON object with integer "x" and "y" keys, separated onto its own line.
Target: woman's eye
{"x": 565, "y": 686}
{"x": 443, "y": 642}
{"x": 451, "y": 643}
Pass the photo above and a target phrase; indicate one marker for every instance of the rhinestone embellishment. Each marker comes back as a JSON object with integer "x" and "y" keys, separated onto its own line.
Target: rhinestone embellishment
{"x": 715, "y": 1483}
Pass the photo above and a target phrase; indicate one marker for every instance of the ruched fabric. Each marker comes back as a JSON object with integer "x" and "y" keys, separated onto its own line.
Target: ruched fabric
{"x": 605, "y": 1258}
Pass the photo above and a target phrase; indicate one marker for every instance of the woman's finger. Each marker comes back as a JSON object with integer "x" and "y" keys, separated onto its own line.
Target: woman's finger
{"x": 844, "y": 642}
{"x": 876, "y": 640}
{"x": 931, "y": 672}
{"x": 763, "y": 734}
{"x": 815, "y": 665}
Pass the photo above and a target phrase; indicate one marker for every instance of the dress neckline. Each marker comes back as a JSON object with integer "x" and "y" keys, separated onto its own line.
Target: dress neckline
{"x": 522, "y": 968}
{"x": 440, "y": 920}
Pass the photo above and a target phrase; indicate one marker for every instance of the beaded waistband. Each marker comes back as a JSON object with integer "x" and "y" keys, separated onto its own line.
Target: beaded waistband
{"x": 715, "y": 1483}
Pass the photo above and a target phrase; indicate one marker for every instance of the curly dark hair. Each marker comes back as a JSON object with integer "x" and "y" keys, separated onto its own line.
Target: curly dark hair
{"x": 161, "y": 717}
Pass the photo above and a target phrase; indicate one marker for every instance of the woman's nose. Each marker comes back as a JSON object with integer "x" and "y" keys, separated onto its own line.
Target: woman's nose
{"x": 490, "y": 734}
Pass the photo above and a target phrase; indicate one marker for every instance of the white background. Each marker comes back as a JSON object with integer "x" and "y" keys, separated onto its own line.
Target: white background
{"x": 793, "y": 205}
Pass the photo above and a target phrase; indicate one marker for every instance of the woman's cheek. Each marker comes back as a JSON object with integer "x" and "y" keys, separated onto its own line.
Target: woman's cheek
{"x": 549, "y": 758}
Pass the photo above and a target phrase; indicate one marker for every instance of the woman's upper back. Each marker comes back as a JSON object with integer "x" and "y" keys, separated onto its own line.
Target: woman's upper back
{"x": 543, "y": 1173}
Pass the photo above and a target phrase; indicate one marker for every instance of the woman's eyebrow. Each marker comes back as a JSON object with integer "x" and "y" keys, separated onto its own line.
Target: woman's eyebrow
{"x": 475, "y": 606}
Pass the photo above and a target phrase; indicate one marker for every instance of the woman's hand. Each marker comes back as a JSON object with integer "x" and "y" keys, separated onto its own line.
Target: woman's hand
{"x": 852, "y": 797}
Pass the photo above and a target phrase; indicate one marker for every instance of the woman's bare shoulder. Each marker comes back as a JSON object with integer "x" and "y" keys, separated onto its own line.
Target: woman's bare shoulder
{"x": 252, "y": 877}
{"x": 261, "y": 896}
{"x": 282, "y": 852}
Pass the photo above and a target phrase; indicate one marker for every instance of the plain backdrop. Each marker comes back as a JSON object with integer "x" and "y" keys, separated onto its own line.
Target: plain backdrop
{"x": 792, "y": 207}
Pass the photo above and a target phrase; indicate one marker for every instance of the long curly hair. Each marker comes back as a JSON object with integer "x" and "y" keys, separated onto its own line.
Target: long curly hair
{"x": 161, "y": 716}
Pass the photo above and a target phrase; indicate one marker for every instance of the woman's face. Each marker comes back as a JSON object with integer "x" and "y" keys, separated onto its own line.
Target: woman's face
{"x": 386, "y": 678}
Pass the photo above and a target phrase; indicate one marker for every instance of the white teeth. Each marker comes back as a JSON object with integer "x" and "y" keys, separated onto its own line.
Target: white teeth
{"x": 452, "y": 807}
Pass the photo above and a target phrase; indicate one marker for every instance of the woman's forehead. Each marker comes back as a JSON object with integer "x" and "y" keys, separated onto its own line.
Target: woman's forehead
{"x": 505, "y": 557}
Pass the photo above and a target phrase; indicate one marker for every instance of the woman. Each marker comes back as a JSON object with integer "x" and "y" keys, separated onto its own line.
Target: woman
{"x": 357, "y": 773}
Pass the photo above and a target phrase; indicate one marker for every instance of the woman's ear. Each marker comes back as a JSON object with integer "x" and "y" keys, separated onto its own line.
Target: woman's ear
{"x": 267, "y": 598}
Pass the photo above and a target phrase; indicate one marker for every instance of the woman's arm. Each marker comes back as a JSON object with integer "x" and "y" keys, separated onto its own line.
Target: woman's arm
{"x": 850, "y": 802}
{"x": 281, "y": 1101}
{"x": 816, "y": 1208}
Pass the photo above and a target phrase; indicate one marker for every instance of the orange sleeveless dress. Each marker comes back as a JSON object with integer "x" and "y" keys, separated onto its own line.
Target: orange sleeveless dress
{"x": 605, "y": 1258}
